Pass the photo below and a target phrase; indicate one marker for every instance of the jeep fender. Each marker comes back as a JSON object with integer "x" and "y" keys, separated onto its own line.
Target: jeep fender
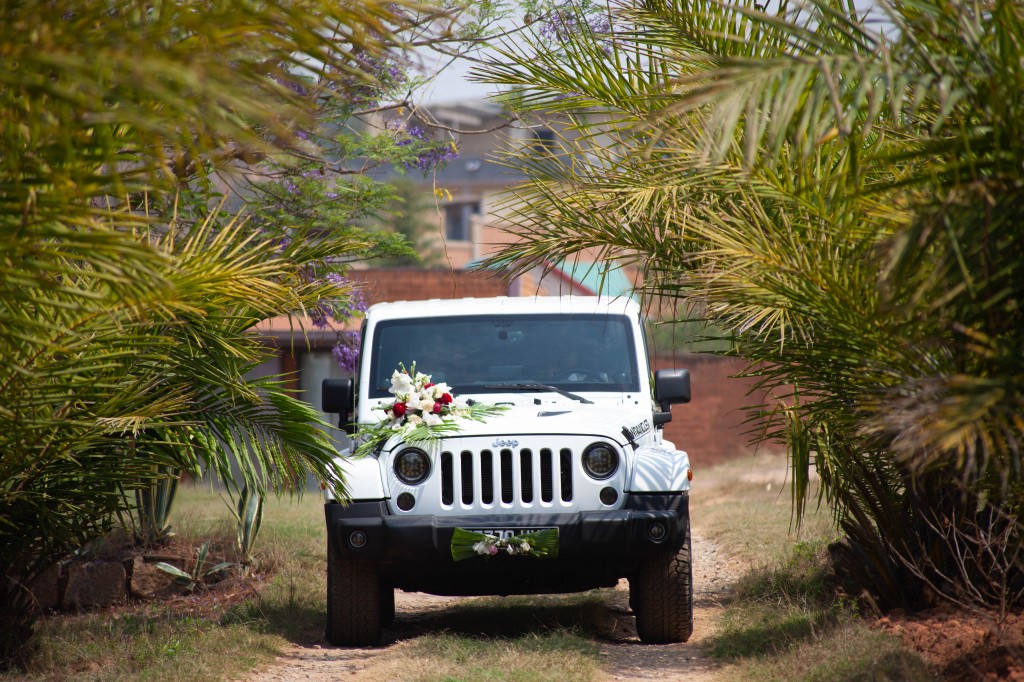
{"x": 362, "y": 480}
{"x": 659, "y": 469}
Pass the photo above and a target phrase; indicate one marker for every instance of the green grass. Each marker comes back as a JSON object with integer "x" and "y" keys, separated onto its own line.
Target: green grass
{"x": 201, "y": 640}
{"x": 528, "y": 639}
{"x": 785, "y": 620}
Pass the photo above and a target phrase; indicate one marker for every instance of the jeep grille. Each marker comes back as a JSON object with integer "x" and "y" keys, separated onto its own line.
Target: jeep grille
{"x": 515, "y": 477}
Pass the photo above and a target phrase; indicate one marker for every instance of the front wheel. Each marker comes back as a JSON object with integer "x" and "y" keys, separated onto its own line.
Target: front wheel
{"x": 661, "y": 595}
{"x": 354, "y": 608}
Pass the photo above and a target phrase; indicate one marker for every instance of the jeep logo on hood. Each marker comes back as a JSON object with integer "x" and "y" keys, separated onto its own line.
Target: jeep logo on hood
{"x": 501, "y": 443}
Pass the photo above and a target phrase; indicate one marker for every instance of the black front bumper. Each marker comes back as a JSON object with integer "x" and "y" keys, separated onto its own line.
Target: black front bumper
{"x": 595, "y": 547}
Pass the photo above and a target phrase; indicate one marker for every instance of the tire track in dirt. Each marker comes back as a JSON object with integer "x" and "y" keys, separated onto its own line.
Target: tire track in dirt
{"x": 623, "y": 656}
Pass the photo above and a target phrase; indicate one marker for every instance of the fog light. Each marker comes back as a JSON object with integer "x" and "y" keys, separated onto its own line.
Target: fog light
{"x": 406, "y": 501}
{"x": 656, "y": 532}
{"x": 357, "y": 539}
{"x": 608, "y": 495}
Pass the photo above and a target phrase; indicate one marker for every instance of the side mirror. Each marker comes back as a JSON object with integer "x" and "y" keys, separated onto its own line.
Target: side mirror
{"x": 338, "y": 397}
{"x": 671, "y": 386}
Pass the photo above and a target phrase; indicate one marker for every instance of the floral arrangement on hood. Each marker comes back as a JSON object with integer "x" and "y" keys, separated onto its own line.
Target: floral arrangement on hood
{"x": 421, "y": 411}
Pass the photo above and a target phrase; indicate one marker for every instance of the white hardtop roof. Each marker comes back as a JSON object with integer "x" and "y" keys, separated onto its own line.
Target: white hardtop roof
{"x": 436, "y": 307}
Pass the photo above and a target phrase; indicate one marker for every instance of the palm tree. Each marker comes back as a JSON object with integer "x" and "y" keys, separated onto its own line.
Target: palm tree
{"x": 124, "y": 336}
{"x": 844, "y": 196}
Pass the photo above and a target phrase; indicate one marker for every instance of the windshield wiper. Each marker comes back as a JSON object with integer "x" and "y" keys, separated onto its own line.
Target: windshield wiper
{"x": 541, "y": 387}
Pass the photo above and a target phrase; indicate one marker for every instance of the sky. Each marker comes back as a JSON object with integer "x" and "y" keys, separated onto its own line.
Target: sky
{"x": 451, "y": 85}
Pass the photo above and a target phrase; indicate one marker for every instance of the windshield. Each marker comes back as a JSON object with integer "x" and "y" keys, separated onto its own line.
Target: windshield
{"x": 475, "y": 354}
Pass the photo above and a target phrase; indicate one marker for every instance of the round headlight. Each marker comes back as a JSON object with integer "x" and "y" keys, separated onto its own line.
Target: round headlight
{"x": 412, "y": 466}
{"x": 600, "y": 461}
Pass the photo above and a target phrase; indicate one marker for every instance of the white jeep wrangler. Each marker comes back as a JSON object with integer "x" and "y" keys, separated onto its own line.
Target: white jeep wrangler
{"x": 576, "y": 459}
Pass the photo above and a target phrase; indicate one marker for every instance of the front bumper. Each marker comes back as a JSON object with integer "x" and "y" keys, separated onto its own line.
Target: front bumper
{"x": 427, "y": 539}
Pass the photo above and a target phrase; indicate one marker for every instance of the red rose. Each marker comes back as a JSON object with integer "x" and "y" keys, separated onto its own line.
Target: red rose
{"x": 398, "y": 409}
{"x": 428, "y": 385}
{"x": 437, "y": 408}
{"x": 446, "y": 398}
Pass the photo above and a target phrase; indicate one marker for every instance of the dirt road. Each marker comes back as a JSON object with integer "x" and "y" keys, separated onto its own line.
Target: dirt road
{"x": 623, "y": 656}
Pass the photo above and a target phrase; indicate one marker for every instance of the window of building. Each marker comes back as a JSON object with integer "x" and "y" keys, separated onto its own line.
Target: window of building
{"x": 457, "y": 219}
{"x": 544, "y": 139}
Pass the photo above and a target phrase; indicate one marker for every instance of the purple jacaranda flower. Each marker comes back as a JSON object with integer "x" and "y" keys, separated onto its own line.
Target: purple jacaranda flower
{"x": 346, "y": 351}
{"x": 435, "y": 156}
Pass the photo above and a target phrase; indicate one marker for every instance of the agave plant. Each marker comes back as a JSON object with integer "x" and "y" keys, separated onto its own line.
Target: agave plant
{"x": 248, "y": 513}
{"x": 841, "y": 193}
{"x": 199, "y": 573}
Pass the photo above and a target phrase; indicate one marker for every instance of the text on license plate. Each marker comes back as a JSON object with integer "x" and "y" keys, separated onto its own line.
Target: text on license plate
{"x": 506, "y": 533}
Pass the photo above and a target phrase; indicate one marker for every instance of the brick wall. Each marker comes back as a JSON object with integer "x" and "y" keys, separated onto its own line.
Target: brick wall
{"x": 710, "y": 427}
{"x": 410, "y": 284}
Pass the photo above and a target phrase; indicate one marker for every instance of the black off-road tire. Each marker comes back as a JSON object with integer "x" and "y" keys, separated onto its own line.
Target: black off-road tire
{"x": 661, "y": 594}
{"x": 387, "y": 605}
{"x": 353, "y": 602}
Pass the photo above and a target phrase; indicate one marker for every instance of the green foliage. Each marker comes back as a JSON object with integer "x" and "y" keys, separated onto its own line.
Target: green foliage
{"x": 248, "y": 513}
{"x": 404, "y": 215}
{"x": 124, "y": 327}
{"x": 199, "y": 574}
{"x": 847, "y": 205}
{"x": 153, "y": 507}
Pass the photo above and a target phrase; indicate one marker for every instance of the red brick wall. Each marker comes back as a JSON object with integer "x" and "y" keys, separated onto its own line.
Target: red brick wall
{"x": 409, "y": 284}
{"x": 710, "y": 427}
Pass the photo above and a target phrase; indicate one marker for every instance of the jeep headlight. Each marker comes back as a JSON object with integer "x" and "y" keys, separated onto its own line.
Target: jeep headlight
{"x": 412, "y": 466}
{"x": 600, "y": 461}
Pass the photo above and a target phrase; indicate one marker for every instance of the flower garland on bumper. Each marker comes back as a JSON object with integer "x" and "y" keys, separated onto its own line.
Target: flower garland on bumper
{"x": 540, "y": 544}
{"x": 421, "y": 411}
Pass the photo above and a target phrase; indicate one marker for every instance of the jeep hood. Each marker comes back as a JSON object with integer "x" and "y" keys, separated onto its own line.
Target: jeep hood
{"x": 568, "y": 417}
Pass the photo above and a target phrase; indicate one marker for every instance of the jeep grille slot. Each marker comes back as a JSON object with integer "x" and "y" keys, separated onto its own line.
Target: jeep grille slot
{"x": 486, "y": 477}
{"x": 447, "y": 491}
{"x": 516, "y": 477}
{"x": 467, "y": 477}
{"x": 565, "y": 460}
{"x": 506, "y": 476}
{"x": 526, "y": 474}
{"x": 546, "y": 494}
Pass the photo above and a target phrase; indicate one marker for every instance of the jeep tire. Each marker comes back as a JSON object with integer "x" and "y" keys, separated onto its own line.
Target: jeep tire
{"x": 387, "y": 605}
{"x": 354, "y": 609}
{"x": 661, "y": 595}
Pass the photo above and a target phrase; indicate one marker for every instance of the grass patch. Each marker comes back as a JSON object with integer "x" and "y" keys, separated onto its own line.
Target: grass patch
{"x": 550, "y": 657}
{"x": 154, "y": 643}
{"x": 516, "y": 639}
{"x": 787, "y": 623}
{"x": 217, "y": 635}
{"x": 852, "y": 652}
{"x": 777, "y": 607}
{"x": 785, "y": 620}
{"x": 527, "y": 638}
{"x": 746, "y": 506}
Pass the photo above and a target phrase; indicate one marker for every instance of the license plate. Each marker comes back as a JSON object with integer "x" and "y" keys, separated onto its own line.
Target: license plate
{"x": 506, "y": 533}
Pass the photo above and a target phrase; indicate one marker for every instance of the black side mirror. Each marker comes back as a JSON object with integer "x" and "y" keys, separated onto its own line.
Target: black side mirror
{"x": 671, "y": 386}
{"x": 338, "y": 397}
